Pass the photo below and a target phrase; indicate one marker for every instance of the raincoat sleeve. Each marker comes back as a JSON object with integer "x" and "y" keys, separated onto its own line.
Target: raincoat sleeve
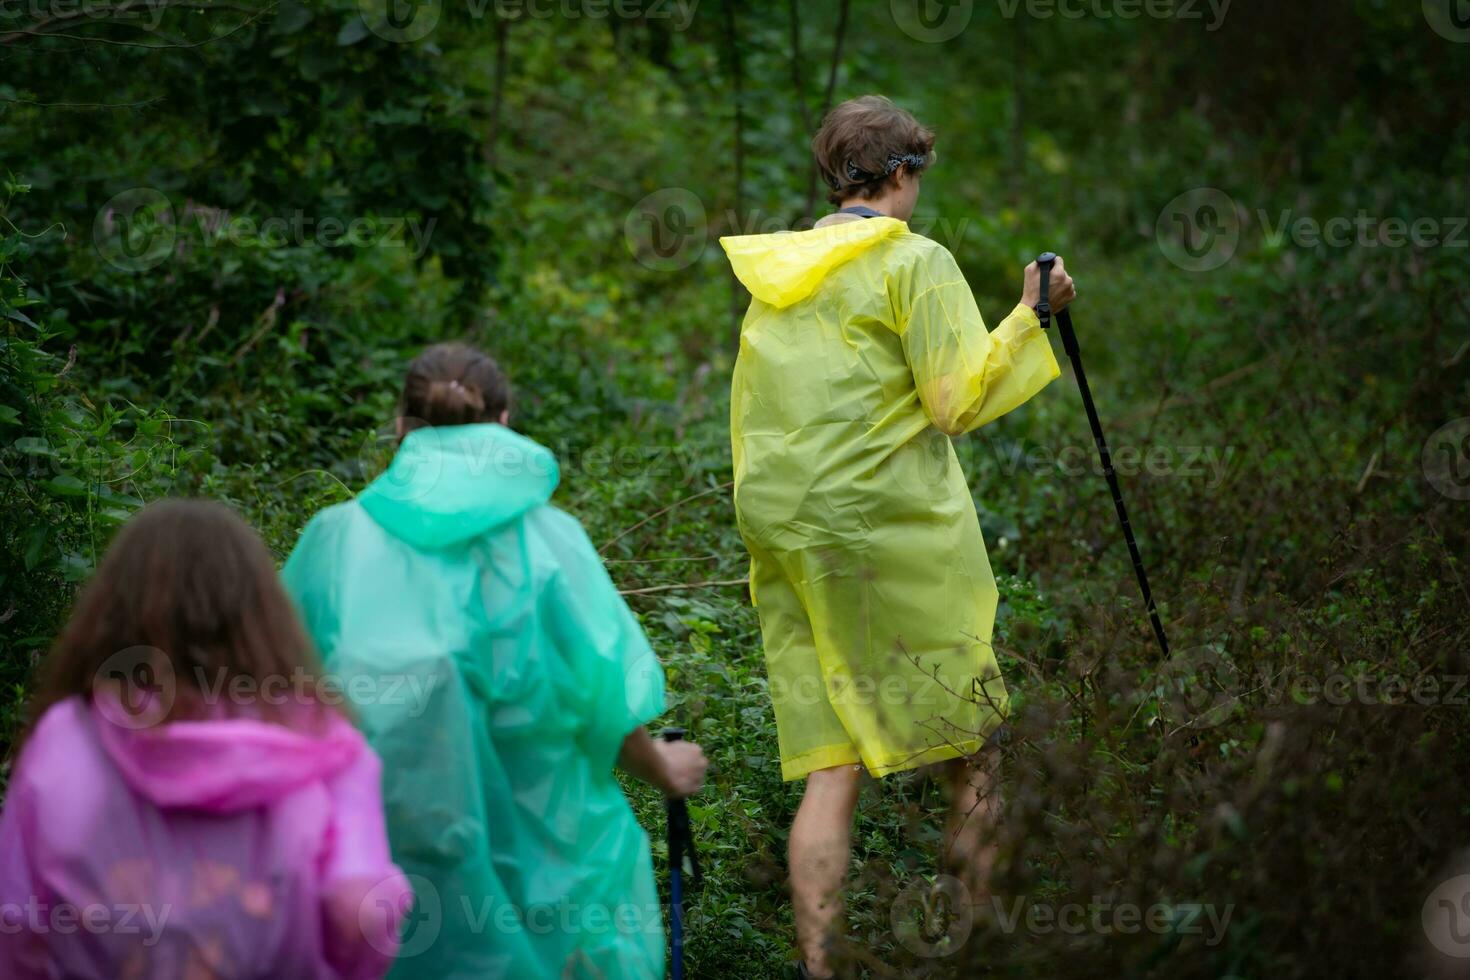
{"x": 365, "y": 894}
{"x": 966, "y": 376}
{"x": 620, "y": 683}
{"x": 22, "y": 953}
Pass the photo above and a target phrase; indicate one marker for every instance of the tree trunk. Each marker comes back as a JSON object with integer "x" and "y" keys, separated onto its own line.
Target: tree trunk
{"x": 1018, "y": 117}
{"x": 738, "y": 295}
{"x": 497, "y": 95}
{"x": 839, "y": 35}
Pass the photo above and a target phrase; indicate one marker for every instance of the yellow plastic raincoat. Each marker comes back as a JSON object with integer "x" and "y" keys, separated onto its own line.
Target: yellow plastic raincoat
{"x": 861, "y": 354}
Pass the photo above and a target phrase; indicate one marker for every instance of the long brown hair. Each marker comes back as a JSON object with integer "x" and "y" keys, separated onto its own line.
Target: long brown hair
{"x": 187, "y": 594}
{"x": 453, "y": 384}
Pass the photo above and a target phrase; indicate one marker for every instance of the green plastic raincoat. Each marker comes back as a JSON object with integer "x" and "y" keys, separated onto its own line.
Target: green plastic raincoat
{"x": 494, "y": 667}
{"x": 862, "y": 353}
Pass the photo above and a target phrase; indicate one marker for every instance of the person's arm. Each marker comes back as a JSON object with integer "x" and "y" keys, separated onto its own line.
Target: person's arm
{"x": 675, "y": 769}
{"x": 967, "y": 376}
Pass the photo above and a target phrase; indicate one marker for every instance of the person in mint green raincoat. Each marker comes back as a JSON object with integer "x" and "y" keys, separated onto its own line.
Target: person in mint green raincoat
{"x": 493, "y": 666}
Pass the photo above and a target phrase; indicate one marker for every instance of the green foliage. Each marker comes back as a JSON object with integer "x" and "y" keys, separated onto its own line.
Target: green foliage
{"x": 173, "y": 341}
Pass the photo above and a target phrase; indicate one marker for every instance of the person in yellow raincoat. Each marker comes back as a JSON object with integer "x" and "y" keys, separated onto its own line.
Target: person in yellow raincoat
{"x": 861, "y": 355}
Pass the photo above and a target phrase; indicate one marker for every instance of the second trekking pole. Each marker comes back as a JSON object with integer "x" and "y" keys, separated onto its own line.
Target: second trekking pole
{"x": 681, "y": 845}
{"x": 1044, "y": 262}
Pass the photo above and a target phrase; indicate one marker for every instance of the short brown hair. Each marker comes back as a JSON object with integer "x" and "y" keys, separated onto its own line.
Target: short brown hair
{"x": 862, "y": 143}
{"x": 453, "y": 384}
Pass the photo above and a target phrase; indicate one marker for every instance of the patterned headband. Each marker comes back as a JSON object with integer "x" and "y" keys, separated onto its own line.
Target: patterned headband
{"x": 857, "y": 175}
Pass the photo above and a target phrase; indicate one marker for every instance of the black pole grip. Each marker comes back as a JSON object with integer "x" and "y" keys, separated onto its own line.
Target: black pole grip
{"x": 681, "y": 833}
{"x": 1044, "y": 262}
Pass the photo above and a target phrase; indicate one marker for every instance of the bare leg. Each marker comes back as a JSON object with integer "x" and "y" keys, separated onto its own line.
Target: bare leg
{"x": 974, "y": 810}
{"x": 821, "y": 847}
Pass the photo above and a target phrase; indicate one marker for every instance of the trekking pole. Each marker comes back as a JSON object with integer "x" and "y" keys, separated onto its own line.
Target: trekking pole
{"x": 1069, "y": 343}
{"x": 681, "y": 845}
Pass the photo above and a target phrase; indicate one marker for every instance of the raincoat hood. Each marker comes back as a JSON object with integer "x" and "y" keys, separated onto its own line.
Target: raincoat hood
{"x": 787, "y": 267}
{"x": 224, "y": 765}
{"x": 449, "y": 484}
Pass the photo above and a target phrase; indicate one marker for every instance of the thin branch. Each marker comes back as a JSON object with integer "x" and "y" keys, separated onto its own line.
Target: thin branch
{"x": 97, "y": 13}
{"x": 659, "y": 513}
{"x": 88, "y": 39}
{"x": 659, "y": 561}
{"x": 83, "y": 105}
{"x": 684, "y": 585}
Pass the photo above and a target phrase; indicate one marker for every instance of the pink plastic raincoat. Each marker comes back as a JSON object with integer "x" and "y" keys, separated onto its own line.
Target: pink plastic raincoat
{"x": 221, "y": 848}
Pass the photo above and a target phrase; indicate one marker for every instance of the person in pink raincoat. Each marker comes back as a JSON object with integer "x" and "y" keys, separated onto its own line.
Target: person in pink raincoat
{"x": 187, "y": 802}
